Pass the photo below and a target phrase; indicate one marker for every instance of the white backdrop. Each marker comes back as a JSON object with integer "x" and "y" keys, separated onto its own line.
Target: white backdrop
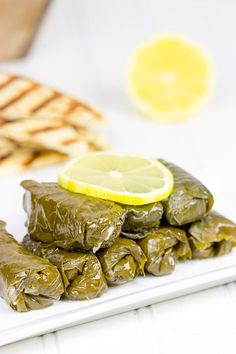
{"x": 82, "y": 48}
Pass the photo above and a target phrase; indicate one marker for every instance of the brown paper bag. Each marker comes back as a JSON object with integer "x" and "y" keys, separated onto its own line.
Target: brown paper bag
{"x": 19, "y": 20}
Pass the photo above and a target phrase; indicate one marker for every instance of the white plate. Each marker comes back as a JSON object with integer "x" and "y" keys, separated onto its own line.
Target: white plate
{"x": 188, "y": 277}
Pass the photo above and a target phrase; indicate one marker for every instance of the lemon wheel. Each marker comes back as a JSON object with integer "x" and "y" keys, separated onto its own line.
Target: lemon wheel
{"x": 126, "y": 179}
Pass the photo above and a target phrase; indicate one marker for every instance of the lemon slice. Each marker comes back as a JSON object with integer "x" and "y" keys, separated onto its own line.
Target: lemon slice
{"x": 169, "y": 78}
{"x": 127, "y": 179}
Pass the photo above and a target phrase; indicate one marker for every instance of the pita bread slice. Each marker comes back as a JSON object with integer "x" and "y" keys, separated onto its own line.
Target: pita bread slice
{"x": 54, "y": 135}
{"x": 21, "y": 159}
{"x": 24, "y": 98}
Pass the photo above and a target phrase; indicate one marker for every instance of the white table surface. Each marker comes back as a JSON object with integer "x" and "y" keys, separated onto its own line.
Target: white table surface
{"x": 82, "y": 48}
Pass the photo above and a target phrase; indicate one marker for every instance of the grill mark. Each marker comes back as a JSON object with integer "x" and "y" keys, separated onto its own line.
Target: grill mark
{"x": 12, "y": 141}
{"x": 40, "y": 153}
{"x": 5, "y": 120}
{"x": 72, "y": 107}
{"x": 79, "y": 104}
{"x": 5, "y": 157}
{"x": 70, "y": 141}
{"x": 93, "y": 145}
{"x": 45, "y": 129}
{"x": 35, "y": 155}
{"x": 45, "y": 102}
{"x": 84, "y": 105}
{"x": 8, "y": 81}
{"x": 19, "y": 96}
{"x": 72, "y": 125}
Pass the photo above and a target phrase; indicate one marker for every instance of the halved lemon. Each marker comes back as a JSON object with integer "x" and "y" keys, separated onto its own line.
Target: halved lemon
{"x": 127, "y": 179}
{"x": 169, "y": 78}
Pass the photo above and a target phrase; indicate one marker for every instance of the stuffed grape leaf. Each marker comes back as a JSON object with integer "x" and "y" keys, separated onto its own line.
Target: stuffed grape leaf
{"x": 27, "y": 282}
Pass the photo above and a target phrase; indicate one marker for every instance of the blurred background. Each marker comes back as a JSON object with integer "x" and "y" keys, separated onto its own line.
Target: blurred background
{"x": 82, "y": 48}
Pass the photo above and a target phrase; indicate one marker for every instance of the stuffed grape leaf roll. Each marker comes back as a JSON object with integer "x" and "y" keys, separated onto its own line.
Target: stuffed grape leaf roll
{"x": 27, "y": 282}
{"x": 163, "y": 247}
{"x": 81, "y": 272}
{"x": 140, "y": 219}
{"x": 122, "y": 262}
{"x": 214, "y": 235}
{"x": 70, "y": 220}
{"x": 190, "y": 199}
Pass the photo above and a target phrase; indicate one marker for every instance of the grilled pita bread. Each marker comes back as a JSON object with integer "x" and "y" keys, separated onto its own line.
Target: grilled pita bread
{"x": 53, "y": 134}
{"x": 24, "y": 98}
{"x": 41, "y": 126}
{"x": 14, "y": 158}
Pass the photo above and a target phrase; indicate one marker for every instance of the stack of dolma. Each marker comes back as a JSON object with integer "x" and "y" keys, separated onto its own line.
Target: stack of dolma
{"x": 189, "y": 207}
{"x": 79, "y": 245}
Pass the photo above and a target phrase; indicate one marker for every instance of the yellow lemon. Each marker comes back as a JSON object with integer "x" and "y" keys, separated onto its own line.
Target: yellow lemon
{"x": 169, "y": 78}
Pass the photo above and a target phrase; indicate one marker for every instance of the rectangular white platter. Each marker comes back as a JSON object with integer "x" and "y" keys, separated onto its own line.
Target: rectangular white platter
{"x": 187, "y": 278}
